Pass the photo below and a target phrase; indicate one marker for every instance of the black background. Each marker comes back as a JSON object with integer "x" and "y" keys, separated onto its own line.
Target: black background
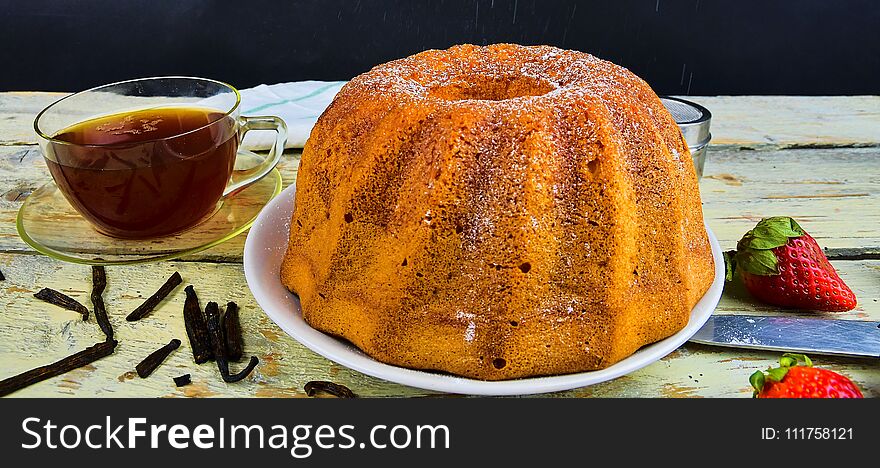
{"x": 810, "y": 47}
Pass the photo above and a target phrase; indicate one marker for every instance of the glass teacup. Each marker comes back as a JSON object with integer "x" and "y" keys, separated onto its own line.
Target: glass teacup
{"x": 150, "y": 157}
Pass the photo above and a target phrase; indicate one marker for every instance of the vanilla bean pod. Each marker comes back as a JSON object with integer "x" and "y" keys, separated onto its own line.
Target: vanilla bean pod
{"x": 144, "y": 309}
{"x": 62, "y": 300}
{"x": 182, "y": 380}
{"x": 74, "y": 361}
{"x": 212, "y": 315}
{"x": 151, "y": 362}
{"x": 196, "y": 329}
{"x": 232, "y": 332}
{"x": 335, "y": 389}
{"x": 99, "y": 283}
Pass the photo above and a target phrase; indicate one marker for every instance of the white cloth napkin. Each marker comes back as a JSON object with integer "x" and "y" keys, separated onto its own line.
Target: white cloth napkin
{"x": 297, "y": 103}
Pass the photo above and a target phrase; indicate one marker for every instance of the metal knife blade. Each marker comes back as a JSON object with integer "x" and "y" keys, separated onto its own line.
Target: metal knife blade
{"x": 805, "y": 335}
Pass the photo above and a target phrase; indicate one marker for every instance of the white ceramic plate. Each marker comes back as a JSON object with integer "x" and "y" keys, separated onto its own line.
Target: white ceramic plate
{"x": 264, "y": 249}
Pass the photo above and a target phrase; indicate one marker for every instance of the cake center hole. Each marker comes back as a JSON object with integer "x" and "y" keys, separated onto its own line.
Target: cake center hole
{"x": 493, "y": 89}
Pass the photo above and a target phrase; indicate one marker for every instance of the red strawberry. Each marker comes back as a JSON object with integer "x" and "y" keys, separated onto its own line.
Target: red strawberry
{"x": 793, "y": 381}
{"x": 780, "y": 264}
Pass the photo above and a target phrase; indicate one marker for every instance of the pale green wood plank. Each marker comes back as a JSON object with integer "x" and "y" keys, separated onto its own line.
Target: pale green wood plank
{"x": 33, "y": 333}
{"x": 759, "y": 122}
{"x": 17, "y": 113}
{"x": 834, "y": 194}
{"x": 777, "y": 122}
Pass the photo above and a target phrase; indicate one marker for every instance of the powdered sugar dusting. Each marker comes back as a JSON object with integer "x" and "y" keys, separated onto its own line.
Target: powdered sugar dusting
{"x": 563, "y": 75}
{"x": 471, "y": 330}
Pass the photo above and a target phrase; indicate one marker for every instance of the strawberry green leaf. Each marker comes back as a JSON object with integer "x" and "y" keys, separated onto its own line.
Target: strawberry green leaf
{"x": 754, "y": 250}
{"x": 777, "y": 374}
{"x": 758, "y": 262}
{"x": 783, "y": 225}
{"x": 770, "y": 233}
{"x": 796, "y": 357}
{"x": 729, "y": 264}
{"x": 765, "y": 238}
{"x": 787, "y": 361}
{"x": 757, "y": 381}
{"x": 796, "y": 228}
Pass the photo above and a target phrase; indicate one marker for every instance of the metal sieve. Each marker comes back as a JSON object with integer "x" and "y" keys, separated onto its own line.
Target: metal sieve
{"x": 693, "y": 120}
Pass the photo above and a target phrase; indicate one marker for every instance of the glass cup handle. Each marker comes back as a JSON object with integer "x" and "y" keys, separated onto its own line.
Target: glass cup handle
{"x": 242, "y": 179}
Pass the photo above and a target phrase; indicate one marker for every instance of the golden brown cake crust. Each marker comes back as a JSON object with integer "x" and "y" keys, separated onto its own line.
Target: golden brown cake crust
{"x": 497, "y": 212}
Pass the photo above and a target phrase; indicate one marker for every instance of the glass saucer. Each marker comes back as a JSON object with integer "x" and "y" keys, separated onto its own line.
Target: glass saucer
{"x": 49, "y": 224}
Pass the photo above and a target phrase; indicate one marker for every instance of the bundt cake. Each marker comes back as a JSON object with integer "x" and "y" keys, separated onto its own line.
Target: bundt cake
{"x": 497, "y": 212}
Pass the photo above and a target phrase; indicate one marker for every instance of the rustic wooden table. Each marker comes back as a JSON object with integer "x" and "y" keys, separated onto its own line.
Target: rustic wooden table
{"x": 814, "y": 158}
